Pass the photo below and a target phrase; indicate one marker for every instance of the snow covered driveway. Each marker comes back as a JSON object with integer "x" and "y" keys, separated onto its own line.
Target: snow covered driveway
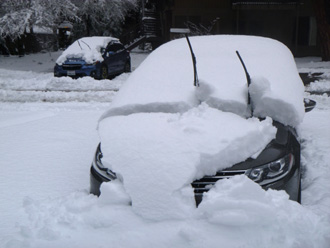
{"x": 29, "y": 85}
{"x": 47, "y": 142}
{"x": 36, "y": 87}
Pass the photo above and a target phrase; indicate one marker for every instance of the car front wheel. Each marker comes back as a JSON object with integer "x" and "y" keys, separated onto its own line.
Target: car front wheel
{"x": 104, "y": 72}
{"x": 127, "y": 66}
{"x": 299, "y": 192}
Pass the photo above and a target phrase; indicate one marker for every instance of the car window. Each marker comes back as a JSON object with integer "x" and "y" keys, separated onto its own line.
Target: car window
{"x": 120, "y": 47}
{"x": 112, "y": 48}
{"x": 115, "y": 47}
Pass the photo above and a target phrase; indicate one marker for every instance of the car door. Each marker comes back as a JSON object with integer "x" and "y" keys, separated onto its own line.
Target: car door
{"x": 122, "y": 57}
{"x": 111, "y": 58}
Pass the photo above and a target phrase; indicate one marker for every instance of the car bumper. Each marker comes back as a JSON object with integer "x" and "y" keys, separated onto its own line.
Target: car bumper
{"x": 288, "y": 184}
{"x": 95, "y": 182}
{"x": 91, "y": 71}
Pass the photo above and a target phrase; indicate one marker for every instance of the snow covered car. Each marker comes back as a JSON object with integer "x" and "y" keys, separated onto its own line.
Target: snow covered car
{"x": 97, "y": 57}
{"x": 167, "y": 140}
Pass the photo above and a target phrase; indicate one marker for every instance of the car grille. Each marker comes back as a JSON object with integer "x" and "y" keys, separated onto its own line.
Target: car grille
{"x": 72, "y": 67}
{"x": 204, "y": 184}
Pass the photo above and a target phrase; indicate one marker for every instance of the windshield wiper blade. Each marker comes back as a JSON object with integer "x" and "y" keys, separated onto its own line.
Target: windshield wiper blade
{"x": 196, "y": 82}
{"x": 79, "y": 45}
{"x": 248, "y": 78}
{"x": 86, "y": 45}
{"x": 186, "y": 31}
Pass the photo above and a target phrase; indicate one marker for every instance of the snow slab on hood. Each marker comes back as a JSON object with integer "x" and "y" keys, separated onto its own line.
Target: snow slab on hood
{"x": 87, "y": 48}
{"x": 158, "y": 155}
{"x": 164, "y": 81}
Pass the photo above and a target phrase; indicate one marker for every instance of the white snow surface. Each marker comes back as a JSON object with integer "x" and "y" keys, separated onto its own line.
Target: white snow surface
{"x": 170, "y": 150}
{"x": 164, "y": 82}
{"x": 87, "y": 48}
{"x": 46, "y": 149}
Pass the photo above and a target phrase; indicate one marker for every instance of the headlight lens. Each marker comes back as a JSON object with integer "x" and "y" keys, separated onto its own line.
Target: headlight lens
{"x": 271, "y": 172}
{"x": 94, "y": 63}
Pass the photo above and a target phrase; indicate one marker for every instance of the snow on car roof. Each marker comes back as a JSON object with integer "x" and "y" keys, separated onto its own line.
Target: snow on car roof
{"x": 164, "y": 81}
{"x": 87, "y": 48}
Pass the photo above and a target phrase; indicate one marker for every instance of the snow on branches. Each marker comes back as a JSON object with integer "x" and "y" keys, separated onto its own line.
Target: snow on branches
{"x": 18, "y": 17}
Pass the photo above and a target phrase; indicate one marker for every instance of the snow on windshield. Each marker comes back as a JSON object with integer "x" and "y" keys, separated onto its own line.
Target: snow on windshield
{"x": 158, "y": 155}
{"x": 164, "y": 82}
{"x": 87, "y": 48}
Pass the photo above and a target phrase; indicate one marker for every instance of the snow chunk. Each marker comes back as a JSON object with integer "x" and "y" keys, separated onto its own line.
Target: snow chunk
{"x": 239, "y": 202}
{"x": 267, "y": 100}
{"x": 87, "y": 48}
{"x": 158, "y": 155}
{"x": 114, "y": 193}
{"x": 209, "y": 93}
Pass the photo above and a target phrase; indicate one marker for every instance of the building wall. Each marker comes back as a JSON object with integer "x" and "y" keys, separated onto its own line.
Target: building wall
{"x": 294, "y": 25}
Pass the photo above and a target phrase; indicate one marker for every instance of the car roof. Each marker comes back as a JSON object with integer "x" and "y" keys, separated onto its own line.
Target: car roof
{"x": 94, "y": 42}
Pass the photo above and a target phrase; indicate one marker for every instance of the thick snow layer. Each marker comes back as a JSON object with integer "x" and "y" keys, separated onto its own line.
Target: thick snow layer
{"x": 46, "y": 150}
{"x": 158, "y": 155}
{"x": 88, "y": 48}
{"x": 236, "y": 213}
{"x": 164, "y": 82}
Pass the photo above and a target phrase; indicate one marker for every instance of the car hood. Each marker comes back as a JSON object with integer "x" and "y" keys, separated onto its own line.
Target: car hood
{"x": 72, "y": 60}
{"x": 158, "y": 155}
{"x": 87, "y": 49}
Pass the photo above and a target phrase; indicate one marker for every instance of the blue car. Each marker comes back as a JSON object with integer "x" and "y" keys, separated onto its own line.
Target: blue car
{"x": 97, "y": 57}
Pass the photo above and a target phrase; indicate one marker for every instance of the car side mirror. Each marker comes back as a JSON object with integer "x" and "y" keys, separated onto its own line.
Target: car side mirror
{"x": 309, "y": 104}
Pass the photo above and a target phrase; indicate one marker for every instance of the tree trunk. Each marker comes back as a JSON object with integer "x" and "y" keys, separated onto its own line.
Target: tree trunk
{"x": 323, "y": 26}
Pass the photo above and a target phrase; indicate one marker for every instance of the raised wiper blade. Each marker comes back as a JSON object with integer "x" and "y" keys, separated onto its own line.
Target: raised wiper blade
{"x": 196, "y": 82}
{"x": 79, "y": 44}
{"x": 86, "y": 45}
{"x": 185, "y": 32}
{"x": 248, "y": 78}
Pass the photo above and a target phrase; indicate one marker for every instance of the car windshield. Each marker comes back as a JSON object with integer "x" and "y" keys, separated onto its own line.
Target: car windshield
{"x": 164, "y": 81}
{"x": 88, "y": 49}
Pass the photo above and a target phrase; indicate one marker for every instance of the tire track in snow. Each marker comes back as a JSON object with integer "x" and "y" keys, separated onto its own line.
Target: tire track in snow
{"x": 46, "y": 88}
{"x": 57, "y": 96}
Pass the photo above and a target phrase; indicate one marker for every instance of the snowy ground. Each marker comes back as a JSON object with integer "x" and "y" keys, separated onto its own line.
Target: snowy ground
{"x": 48, "y": 134}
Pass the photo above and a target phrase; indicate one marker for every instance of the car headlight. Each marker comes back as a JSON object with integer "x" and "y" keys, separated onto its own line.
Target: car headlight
{"x": 94, "y": 63}
{"x": 272, "y": 171}
{"x": 99, "y": 164}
